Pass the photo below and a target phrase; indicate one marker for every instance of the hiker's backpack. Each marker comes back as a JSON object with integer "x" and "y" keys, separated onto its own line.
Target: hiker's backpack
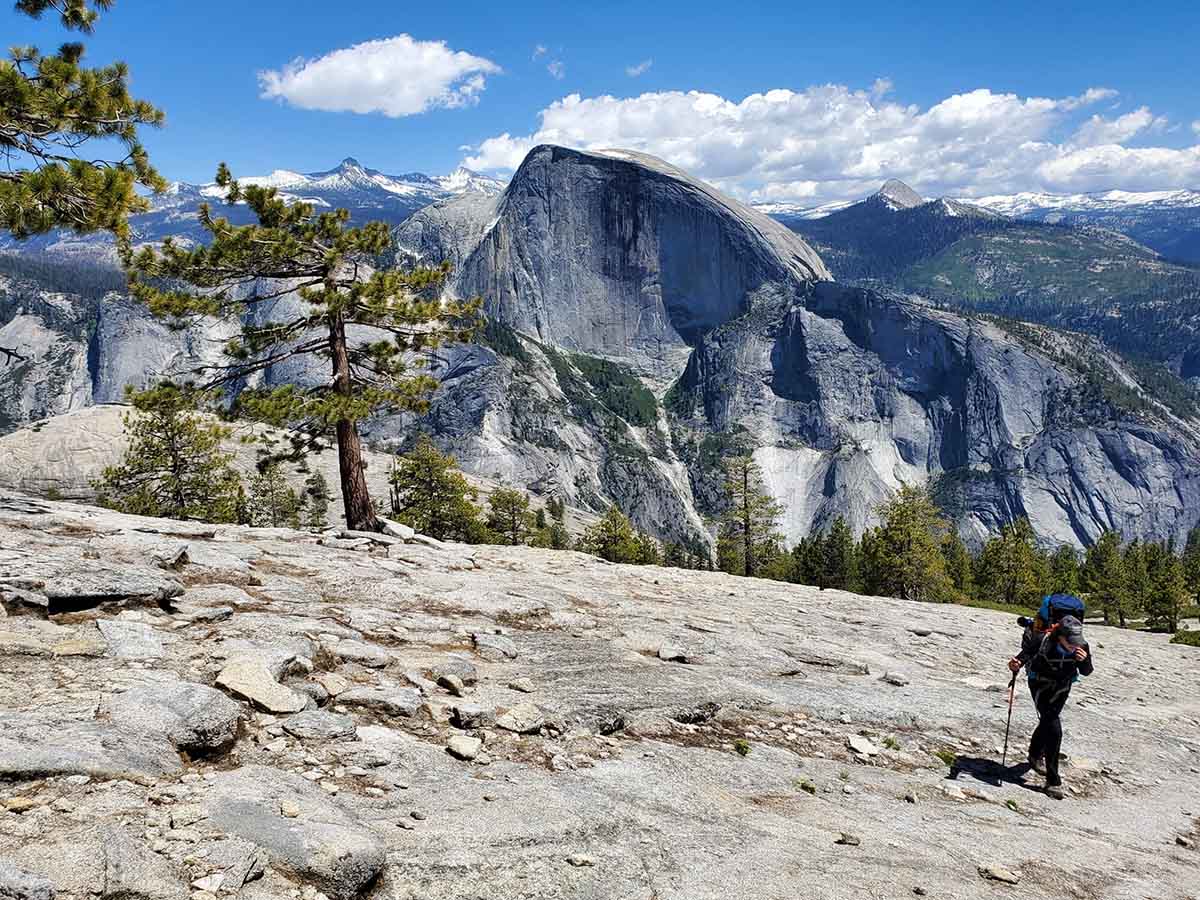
{"x": 1055, "y": 606}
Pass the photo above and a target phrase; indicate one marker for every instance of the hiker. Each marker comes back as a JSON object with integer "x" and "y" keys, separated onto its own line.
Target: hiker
{"x": 1055, "y": 654}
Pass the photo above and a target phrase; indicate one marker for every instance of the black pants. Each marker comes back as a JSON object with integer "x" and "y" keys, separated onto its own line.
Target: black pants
{"x": 1049, "y": 697}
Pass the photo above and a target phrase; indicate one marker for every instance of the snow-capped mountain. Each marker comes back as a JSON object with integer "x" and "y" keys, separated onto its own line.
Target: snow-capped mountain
{"x": 367, "y": 193}
{"x": 1024, "y": 204}
{"x": 1167, "y": 221}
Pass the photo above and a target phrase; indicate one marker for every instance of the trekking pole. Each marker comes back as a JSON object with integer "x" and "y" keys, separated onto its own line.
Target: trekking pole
{"x": 1012, "y": 687}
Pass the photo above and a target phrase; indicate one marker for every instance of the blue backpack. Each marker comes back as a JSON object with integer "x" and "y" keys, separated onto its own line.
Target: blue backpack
{"x": 1055, "y": 606}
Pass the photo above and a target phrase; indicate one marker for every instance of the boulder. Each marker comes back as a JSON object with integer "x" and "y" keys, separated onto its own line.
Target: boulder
{"x": 194, "y": 717}
{"x": 33, "y": 747}
{"x": 494, "y": 647}
{"x": 250, "y": 678}
{"x": 524, "y": 718}
{"x": 392, "y": 701}
{"x": 369, "y": 655}
{"x": 322, "y": 843}
{"x": 131, "y": 640}
{"x": 464, "y": 747}
{"x": 18, "y": 884}
{"x": 470, "y": 715}
{"x": 318, "y": 725}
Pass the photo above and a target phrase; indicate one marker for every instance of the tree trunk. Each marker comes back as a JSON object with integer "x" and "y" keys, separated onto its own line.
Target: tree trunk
{"x": 356, "y": 499}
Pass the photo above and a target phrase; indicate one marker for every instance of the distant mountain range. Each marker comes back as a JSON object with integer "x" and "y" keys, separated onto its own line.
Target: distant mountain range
{"x": 1061, "y": 271}
{"x": 1165, "y": 221}
{"x": 367, "y": 193}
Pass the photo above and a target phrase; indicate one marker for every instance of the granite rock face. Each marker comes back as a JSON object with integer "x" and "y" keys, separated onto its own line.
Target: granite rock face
{"x": 775, "y": 756}
{"x": 733, "y": 324}
{"x": 638, "y": 320}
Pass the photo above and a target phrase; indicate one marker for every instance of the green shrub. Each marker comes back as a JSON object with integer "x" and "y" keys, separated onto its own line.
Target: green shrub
{"x": 742, "y": 747}
{"x": 1187, "y": 638}
{"x": 949, "y": 757}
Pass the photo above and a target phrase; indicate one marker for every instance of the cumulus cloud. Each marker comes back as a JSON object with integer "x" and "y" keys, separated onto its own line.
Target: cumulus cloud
{"x": 830, "y": 142}
{"x": 640, "y": 69}
{"x": 396, "y": 76}
{"x": 557, "y": 69}
{"x": 1099, "y": 130}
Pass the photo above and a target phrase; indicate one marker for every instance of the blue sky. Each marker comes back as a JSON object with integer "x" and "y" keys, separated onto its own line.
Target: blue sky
{"x": 1004, "y": 97}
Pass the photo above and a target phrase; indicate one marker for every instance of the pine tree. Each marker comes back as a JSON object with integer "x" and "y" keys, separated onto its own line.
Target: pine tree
{"x": 1064, "y": 571}
{"x": 807, "y": 562}
{"x": 430, "y": 495}
{"x": 840, "y": 563}
{"x": 959, "y": 565}
{"x": 1011, "y": 569}
{"x": 1169, "y": 594}
{"x": 649, "y": 553}
{"x": 612, "y": 538}
{"x": 53, "y": 111}
{"x": 749, "y": 526}
{"x": 173, "y": 466}
{"x": 1191, "y": 561}
{"x": 903, "y": 556}
{"x": 316, "y": 502}
{"x": 1138, "y": 560}
{"x": 273, "y": 502}
{"x": 509, "y": 517}
{"x": 1103, "y": 577}
{"x": 329, "y": 266}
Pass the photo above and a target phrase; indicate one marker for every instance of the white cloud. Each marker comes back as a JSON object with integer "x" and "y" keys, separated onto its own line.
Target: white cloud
{"x": 556, "y": 68}
{"x": 640, "y": 69}
{"x": 539, "y": 50}
{"x": 396, "y": 76}
{"x": 830, "y": 142}
{"x": 1098, "y": 130}
{"x": 1196, "y": 126}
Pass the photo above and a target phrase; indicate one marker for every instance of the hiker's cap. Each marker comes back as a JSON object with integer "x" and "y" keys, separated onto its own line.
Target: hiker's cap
{"x": 1072, "y": 629}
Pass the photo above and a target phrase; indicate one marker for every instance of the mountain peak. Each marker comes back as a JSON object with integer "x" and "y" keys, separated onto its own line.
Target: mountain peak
{"x": 899, "y": 195}
{"x": 349, "y": 163}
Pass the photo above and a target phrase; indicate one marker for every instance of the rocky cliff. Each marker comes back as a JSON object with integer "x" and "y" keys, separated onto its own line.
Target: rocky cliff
{"x": 198, "y": 711}
{"x": 638, "y": 321}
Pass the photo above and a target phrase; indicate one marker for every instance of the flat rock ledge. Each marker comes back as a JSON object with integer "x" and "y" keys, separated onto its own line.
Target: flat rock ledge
{"x": 209, "y": 712}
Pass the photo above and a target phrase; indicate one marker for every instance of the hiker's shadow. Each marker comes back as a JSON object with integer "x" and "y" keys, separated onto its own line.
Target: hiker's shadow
{"x": 991, "y": 772}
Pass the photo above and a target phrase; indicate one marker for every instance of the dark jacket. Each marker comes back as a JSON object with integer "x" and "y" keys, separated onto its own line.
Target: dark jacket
{"x": 1045, "y": 660}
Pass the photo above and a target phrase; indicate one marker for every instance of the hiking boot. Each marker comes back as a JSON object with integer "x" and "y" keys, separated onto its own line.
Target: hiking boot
{"x": 1056, "y": 791}
{"x": 1038, "y": 764}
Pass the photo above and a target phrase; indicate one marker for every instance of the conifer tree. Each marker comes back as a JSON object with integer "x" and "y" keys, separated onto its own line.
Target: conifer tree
{"x": 173, "y": 466}
{"x": 1064, "y": 571}
{"x": 53, "y": 111}
{"x": 330, "y": 268}
{"x": 903, "y": 556}
{"x": 612, "y": 538}
{"x": 1191, "y": 561}
{"x": 509, "y": 518}
{"x": 273, "y": 503}
{"x": 959, "y": 565}
{"x": 1103, "y": 577}
{"x": 1138, "y": 560}
{"x": 430, "y": 495}
{"x": 749, "y": 525}
{"x": 840, "y": 563}
{"x": 1011, "y": 569}
{"x": 1169, "y": 593}
{"x": 648, "y": 553}
{"x": 316, "y": 502}
{"x": 807, "y": 562}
